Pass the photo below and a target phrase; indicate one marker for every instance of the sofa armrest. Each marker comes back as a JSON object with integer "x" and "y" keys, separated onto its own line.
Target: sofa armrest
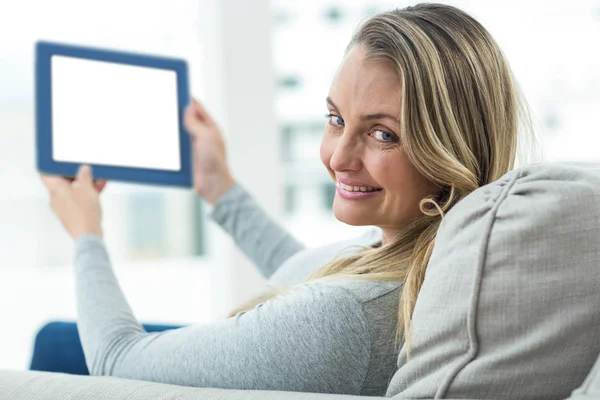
{"x": 35, "y": 385}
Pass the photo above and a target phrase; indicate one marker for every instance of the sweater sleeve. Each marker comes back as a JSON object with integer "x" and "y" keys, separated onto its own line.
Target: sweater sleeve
{"x": 313, "y": 339}
{"x": 260, "y": 238}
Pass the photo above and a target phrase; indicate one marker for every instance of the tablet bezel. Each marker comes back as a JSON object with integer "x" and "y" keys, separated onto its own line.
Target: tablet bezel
{"x": 44, "y": 52}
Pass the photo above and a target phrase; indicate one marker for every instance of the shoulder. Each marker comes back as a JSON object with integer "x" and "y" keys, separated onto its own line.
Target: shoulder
{"x": 342, "y": 248}
{"x": 338, "y": 302}
{"x": 352, "y": 304}
{"x": 301, "y": 265}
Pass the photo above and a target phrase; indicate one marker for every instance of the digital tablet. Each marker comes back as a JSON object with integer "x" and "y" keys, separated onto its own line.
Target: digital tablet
{"x": 120, "y": 112}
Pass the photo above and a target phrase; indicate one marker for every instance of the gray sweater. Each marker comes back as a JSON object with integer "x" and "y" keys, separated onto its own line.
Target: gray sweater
{"x": 328, "y": 337}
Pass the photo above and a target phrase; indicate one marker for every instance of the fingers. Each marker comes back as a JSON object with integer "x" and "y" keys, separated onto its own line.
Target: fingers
{"x": 191, "y": 121}
{"x": 54, "y": 184}
{"x": 202, "y": 113}
{"x": 100, "y": 185}
{"x": 197, "y": 119}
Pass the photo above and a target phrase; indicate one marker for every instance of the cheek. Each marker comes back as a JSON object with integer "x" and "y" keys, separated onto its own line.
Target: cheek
{"x": 384, "y": 169}
{"x": 392, "y": 171}
{"x": 406, "y": 185}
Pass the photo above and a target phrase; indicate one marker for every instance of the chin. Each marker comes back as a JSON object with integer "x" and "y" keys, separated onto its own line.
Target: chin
{"x": 351, "y": 214}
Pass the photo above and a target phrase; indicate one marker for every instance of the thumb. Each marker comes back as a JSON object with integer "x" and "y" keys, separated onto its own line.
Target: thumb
{"x": 202, "y": 113}
{"x": 85, "y": 175}
{"x": 192, "y": 122}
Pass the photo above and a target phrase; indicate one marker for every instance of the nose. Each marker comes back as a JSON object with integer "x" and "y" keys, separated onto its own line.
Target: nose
{"x": 347, "y": 153}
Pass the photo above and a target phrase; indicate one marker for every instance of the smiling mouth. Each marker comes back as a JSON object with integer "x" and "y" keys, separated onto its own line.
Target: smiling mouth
{"x": 363, "y": 189}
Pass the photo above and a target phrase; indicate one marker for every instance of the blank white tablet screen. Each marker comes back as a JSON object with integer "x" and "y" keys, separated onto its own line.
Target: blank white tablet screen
{"x": 114, "y": 114}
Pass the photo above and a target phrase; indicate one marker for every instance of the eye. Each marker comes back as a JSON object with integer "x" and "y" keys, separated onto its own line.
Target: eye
{"x": 335, "y": 120}
{"x": 384, "y": 136}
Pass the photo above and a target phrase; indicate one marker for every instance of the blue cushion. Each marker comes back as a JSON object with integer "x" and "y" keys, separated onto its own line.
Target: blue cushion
{"x": 57, "y": 348}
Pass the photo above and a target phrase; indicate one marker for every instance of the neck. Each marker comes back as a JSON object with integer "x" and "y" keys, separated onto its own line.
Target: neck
{"x": 387, "y": 235}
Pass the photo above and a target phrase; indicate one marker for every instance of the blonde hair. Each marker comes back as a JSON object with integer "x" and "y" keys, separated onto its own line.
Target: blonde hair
{"x": 460, "y": 121}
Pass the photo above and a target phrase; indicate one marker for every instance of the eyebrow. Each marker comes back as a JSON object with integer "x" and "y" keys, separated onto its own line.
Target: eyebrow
{"x": 367, "y": 117}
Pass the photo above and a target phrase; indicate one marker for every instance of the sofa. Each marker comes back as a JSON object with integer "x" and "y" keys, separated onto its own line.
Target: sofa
{"x": 509, "y": 308}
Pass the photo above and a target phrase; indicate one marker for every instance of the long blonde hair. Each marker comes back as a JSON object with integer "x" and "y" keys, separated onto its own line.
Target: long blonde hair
{"x": 460, "y": 121}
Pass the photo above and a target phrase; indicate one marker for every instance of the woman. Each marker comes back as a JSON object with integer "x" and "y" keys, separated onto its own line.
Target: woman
{"x": 422, "y": 111}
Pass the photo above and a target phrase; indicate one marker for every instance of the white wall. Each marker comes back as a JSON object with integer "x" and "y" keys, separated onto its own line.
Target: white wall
{"x": 239, "y": 91}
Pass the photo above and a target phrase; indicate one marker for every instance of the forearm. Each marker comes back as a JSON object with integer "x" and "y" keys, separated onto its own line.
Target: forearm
{"x": 255, "y": 232}
{"x": 104, "y": 318}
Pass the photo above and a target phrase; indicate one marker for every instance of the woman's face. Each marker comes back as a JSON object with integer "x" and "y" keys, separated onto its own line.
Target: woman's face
{"x": 376, "y": 183}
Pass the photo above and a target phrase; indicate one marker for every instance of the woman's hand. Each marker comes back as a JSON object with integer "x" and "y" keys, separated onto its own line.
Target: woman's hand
{"x": 212, "y": 177}
{"x": 76, "y": 202}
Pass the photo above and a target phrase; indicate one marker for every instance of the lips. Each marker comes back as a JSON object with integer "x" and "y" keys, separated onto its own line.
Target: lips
{"x": 356, "y": 195}
{"x": 352, "y": 185}
{"x": 357, "y": 188}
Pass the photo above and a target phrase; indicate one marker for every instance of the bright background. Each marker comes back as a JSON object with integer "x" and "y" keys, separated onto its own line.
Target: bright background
{"x": 263, "y": 69}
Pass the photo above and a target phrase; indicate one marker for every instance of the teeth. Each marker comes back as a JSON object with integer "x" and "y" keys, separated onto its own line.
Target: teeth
{"x": 356, "y": 188}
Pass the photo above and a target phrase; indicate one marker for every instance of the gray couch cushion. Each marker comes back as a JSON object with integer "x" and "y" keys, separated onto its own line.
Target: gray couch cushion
{"x": 510, "y": 306}
{"x": 34, "y": 385}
